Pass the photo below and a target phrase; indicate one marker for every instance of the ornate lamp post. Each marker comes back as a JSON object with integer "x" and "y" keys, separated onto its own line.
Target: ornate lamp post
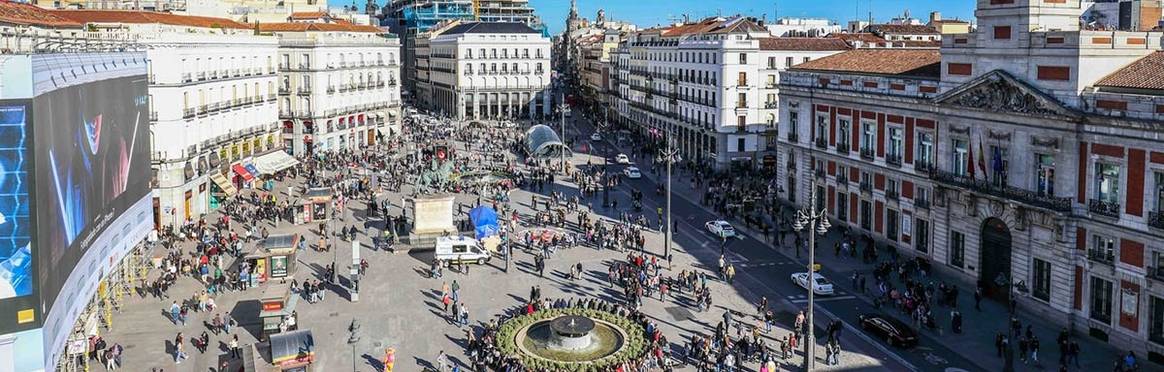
{"x": 670, "y": 155}
{"x": 353, "y": 338}
{"x": 817, "y": 222}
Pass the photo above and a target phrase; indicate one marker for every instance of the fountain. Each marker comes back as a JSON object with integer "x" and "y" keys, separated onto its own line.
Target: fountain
{"x": 571, "y": 332}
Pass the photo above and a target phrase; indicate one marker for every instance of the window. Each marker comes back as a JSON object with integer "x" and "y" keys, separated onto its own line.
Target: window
{"x": 961, "y": 159}
{"x": 891, "y": 188}
{"x": 868, "y": 137}
{"x": 921, "y": 195}
{"x": 1045, "y": 174}
{"x": 742, "y": 100}
{"x": 793, "y": 121}
{"x": 788, "y": 62}
{"x": 843, "y": 134}
{"x": 820, "y": 197}
{"x": 1158, "y": 193}
{"x": 805, "y": 59}
{"x": 842, "y": 206}
{"x": 1101, "y": 300}
{"x": 771, "y": 62}
{"x": 743, "y": 79}
{"x": 921, "y": 236}
{"x": 740, "y": 142}
{"x": 896, "y": 144}
{"x": 1102, "y": 249}
{"x": 866, "y": 215}
{"x": 743, "y": 58}
{"x": 1107, "y": 183}
{"x": 1156, "y": 319}
{"x": 742, "y": 121}
{"x": 1002, "y": 32}
{"x": 822, "y": 130}
{"x": 957, "y": 249}
{"x": 925, "y": 149}
{"x": 891, "y": 218}
{"x": 1041, "y": 280}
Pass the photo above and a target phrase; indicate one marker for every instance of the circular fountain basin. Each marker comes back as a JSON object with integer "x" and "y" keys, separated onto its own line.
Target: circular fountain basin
{"x": 571, "y": 339}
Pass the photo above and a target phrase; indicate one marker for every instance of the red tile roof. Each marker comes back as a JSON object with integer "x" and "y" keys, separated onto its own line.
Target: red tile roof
{"x": 308, "y": 15}
{"x": 803, "y": 44}
{"x": 1145, "y": 73}
{"x": 316, "y": 27}
{"x": 29, "y": 15}
{"x": 902, "y": 29}
{"x": 145, "y": 17}
{"x": 904, "y": 62}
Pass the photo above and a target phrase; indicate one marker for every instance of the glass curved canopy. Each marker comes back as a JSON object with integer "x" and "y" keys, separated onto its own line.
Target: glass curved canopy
{"x": 542, "y": 142}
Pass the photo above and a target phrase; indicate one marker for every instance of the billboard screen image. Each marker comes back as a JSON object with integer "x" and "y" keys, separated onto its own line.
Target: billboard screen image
{"x": 91, "y": 153}
{"x": 16, "y": 275}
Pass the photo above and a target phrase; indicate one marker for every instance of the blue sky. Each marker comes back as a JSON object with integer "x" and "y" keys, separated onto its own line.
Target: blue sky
{"x": 646, "y": 13}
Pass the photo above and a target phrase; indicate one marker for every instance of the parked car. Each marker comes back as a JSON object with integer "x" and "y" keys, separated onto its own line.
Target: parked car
{"x": 622, "y": 159}
{"x": 632, "y": 173}
{"x": 720, "y": 228}
{"x": 820, "y": 285}
{"x": 595, "y": 137}
{"x": 893, "y": 331}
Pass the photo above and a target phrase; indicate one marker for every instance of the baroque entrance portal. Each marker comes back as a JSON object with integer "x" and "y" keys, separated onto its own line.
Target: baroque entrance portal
{"x": 994, "y": 262}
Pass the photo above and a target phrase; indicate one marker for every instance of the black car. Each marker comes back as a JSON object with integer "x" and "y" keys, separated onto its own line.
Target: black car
{"x": 893, "y": 331}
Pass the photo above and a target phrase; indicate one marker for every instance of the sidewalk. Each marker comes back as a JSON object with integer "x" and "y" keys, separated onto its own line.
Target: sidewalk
{"x": 979, "y": 327}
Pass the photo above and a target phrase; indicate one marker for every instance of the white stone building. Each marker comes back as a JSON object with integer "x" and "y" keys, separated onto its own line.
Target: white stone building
{"x": 707, "y": 84}
{"x": 338, "y": 85}
{"x": 212, "y": 92}
{"x": 1024, "y": 157}
{"x": 482, "y": 70}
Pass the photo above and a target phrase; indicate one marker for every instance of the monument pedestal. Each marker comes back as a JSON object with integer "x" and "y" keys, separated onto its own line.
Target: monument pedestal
{"x": 432, "y": 217}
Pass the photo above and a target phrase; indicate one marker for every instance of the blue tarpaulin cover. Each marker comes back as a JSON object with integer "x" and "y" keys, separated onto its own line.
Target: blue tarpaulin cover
{"x": 484, "y": 221}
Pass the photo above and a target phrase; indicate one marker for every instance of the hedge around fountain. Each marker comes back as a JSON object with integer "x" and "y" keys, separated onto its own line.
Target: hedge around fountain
{"x": 634, "y": 346}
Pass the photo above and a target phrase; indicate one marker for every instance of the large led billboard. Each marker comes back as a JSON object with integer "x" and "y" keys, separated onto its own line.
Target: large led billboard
{"x": 91, "y": 145}
{"x": 74, "y": 186}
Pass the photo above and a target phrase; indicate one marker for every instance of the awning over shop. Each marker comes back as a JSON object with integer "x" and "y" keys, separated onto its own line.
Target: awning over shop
{"x": 226, "y": 187}
{"x": 242, "y": 172}
{"x": 274, "y": 162}
{"x": 291, "y": 348}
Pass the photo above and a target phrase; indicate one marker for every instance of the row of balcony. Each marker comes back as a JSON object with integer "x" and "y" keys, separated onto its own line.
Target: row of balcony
{"x": 502, "y": 72}
{"x": 503, "y": 56}
{"x": 335, "y": 65}
{"x": 1058, "y": 204}
{"x": 222, "y": 74}
{"x": 237, "y": 103}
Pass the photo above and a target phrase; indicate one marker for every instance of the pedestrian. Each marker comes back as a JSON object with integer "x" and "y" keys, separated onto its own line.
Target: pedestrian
{"x": 442, "y": 362}
{"x": 179, "y": 354}
{"x": 175, "y": 311}
{"x": 978, "y": 298}
{"x": 1035, "y": 350}
{"x": 235, "y": 352}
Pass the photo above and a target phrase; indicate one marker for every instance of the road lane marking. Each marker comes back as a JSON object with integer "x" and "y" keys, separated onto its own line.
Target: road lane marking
{"x": 821, "y": 299}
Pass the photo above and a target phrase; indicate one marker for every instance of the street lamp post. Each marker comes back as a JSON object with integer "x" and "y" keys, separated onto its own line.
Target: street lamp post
{"x": 670, "y": 155}
{"x": 817, "y": 222}
{"x": 353, "y": 338}
{"x": 562, "y": 109}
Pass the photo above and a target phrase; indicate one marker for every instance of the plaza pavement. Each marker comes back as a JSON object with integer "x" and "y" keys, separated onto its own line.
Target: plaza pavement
{"x": 399, "y": 306}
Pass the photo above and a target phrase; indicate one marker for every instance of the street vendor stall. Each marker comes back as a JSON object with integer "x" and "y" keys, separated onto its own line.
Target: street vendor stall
{"x": 278, "y": 312}
{"x": 315, "y": 206}
{"x": 286, "y": 352}
{"x": 274, "y": 258}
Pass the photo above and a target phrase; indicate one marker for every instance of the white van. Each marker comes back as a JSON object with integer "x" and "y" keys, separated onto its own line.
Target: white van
{"x": 457, "y": 249}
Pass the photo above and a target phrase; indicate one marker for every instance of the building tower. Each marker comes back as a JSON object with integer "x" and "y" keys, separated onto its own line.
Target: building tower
{"x": 573, "y": 22}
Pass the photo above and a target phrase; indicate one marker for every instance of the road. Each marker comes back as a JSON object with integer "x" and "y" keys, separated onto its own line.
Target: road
{"x": 769, "y": 269}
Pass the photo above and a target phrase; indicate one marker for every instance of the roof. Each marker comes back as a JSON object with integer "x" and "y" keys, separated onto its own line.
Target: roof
{"x": 902, "y": 29}
{"x": 491, "y": 28}
{"x": 713, "y": 25}
{"x": 803, "y": 43}
{"x": 863, "y": 37}
{"x": 29, "y": 15}
{"x": 316, "y": 27}
{"x": 308, "y": 15}
{"x": 146, "y": 17}
{"x": 1144, "y": 73}
{"x": 903, "y": 62}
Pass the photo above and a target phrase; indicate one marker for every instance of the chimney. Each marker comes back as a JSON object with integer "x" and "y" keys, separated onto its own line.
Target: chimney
{"x": 935, "y": 17}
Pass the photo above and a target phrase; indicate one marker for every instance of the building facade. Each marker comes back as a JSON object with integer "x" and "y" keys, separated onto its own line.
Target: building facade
{"x": 220, "y": 78}
{"x": 338, "y": 86}
{"x": 707, "y": 84}
{"x": 481, "y": 70}
{"x": 1039, "y": 179}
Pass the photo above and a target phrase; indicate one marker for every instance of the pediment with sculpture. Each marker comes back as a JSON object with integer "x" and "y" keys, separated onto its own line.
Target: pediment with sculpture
{"x": 998, "y": 91}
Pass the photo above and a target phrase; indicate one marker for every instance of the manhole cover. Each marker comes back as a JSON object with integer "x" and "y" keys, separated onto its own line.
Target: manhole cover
{"x": 679, "y": 313}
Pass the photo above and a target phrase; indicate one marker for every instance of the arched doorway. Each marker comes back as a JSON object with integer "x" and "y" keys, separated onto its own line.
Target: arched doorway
{"x": 994, "y": 262}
